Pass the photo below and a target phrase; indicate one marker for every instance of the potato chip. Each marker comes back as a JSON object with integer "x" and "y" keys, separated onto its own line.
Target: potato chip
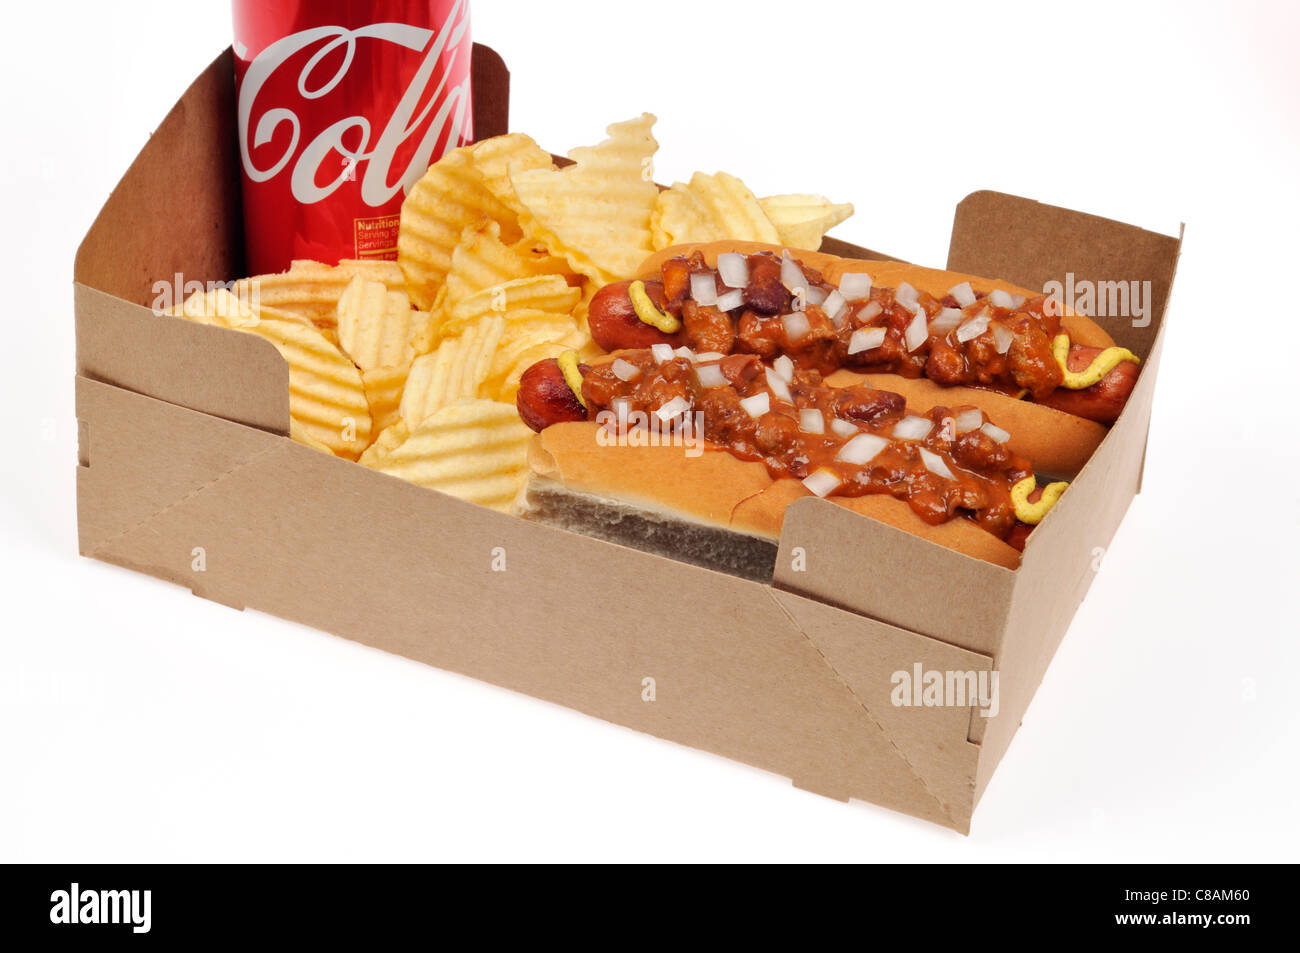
{"x": 389, "y": 439}
{"x": 455, "y": 370}
{"x": 326, "y": 396}
{"x": 482, "y": 260}
{"x": 549, "y": 294}
{"x": 506, "y": 386}
{"x": 473, "y": 449}
{"x": 312, "y": 289}
{"x": 376, "y": 326}
{"x": 302, "y": 435}
{"x": 596, "y": 212}
{"x": 451, "y": 195}
{"x": 383, "y": 386}
{"x": 709, "y": 208}
{"x": 803, "y": 220}
{"x": 526, "y": 335}
{"x": 495, "y": 157}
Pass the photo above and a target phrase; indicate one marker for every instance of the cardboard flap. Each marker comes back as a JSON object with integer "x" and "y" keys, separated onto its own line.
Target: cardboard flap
{"x": 229, "y": 374}
{"x": 867, "y": 567}
{"x": 936, "y": 743}
{"x": 177, "y": 207}
{"x": 1004, "y": 236}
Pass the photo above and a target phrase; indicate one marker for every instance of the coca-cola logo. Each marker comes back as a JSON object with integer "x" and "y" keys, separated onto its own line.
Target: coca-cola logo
{"x": 333, "y": 52}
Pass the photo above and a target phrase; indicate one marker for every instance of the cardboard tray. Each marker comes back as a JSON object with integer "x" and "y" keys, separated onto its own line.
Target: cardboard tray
{"x": 183, "y": 444}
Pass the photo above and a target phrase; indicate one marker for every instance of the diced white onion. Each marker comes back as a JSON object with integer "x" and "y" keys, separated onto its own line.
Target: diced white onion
{"x": 685, "y": 352}
{"x": 945, "y": 321}
{"x": 822, "y": 482}
{"x": 702, "y": 356}
{"x": 835, "y": 306}
{"x": 917, "y": 331}
{"x": 779, "y": 387}
{"x": 730, "y": 301}
{"x": 912, "y": 427}
{"x": 785, "y": 368}
{"x": 844, "y": 428}
{"x": 757, "y": 405}
{"x": 734, "y": 269}
{"x": 934, "y": 463}
{"x": 1017, "y": 300}
{"x": 811, "y": 420}
{"x": 662, "y": 352}
{"x": 963, "y": 293}
{"x": 673, "y": 409}
{"x": 625, "y": 370}
{"x": 796, "y": 326}
{"x": 791, "y": 274}
{"x": 711, "y": 375}
{"x": 994, "y": 432}
{"x": 864, "y": 339}
{"x": 1002, "y": 338}
{"x": 855, "y": 285}
{"x": 906, "y": 295}
{"x": 870, "y": 310}
{"x": 862, "y": 448}
{"x": 1000, "y": 299}
{"x": 969, "y": 420}
{"x": 815, "y": 296}
{"x": 704, "y": 288}
{"x": 973, "y": 328}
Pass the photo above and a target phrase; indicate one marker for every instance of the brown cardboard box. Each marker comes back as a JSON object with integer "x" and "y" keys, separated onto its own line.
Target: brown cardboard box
{"x": 183, "y": 444}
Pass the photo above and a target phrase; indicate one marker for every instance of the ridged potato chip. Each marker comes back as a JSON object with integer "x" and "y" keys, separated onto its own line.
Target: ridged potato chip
{"x": 549, "y": 294}
{"x": 451, "y": 195}
{"x": 455, "y": 370}
{"x": 505, "y": 385}
{"x": 528, "y": 334}
{"x": 326, "y": 396}
{"x": 803, "y": 220}
{"x": 473, "y": 449}
{"x": 495, "y": 157}
{"x": 312, "y": 289}
{"x": 482, "y": 260}
{"x": 596, "y": 212}
{"x": 384, "y": 386}
{"x": 377, "y": 327}
{"x": 300, "y": 434}
{"x": 709, "y": 208}
{"x": 389, "y": 439}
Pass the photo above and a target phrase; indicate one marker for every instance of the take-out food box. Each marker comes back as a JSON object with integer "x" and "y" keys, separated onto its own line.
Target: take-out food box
{"x": 184, "y": 450}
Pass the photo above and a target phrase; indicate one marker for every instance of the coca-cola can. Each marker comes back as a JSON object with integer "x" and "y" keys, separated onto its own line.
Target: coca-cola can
{"x": 342, "y": 106}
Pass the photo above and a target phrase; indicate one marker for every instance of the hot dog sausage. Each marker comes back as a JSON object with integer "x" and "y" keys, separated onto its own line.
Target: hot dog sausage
{"x": 614, "y": 324}
{"x": 545, "y": 397}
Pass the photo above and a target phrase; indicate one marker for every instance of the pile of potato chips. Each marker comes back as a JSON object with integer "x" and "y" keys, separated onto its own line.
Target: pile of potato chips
{"x": 411, "y": 367}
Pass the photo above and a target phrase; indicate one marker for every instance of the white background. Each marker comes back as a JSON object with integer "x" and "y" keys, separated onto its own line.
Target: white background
{"x": 140, "y": 723}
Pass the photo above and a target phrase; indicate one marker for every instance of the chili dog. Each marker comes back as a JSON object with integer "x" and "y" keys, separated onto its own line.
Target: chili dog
{"x": 993, "y": 345}
{"x": 771, "y": 433}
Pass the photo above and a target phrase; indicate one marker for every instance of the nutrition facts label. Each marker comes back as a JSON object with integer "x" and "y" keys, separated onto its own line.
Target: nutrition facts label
{"x": 376, "y": 237}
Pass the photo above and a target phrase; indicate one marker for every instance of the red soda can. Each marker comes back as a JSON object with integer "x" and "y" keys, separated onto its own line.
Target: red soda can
{"x": 342, "y": 106}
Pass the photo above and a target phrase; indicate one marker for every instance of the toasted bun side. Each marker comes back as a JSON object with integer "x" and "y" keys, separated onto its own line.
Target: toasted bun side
{"x": 764, "y": 513}
{"x": 1082, "y": 329}
{"x": 703, "y": 488}
{"x": 715, "y": 490}
{"x": 1056, "y": 443}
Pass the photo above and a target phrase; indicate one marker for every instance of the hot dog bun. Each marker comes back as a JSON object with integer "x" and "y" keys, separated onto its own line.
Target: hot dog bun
{"x": 713, "y": 509}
